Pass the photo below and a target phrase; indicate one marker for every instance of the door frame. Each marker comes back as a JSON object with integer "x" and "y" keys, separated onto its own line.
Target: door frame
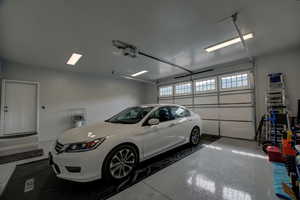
{"x": 3, "y": 95}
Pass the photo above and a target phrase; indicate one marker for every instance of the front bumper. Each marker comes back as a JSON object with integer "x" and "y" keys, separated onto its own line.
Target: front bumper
{"x": 89, "y": 162}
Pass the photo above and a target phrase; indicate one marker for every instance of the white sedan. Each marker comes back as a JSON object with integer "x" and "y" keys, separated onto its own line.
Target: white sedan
{"x": 112, "y": 149}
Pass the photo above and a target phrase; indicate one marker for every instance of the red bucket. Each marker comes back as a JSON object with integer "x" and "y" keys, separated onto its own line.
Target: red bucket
{"x": 274, "y": 154}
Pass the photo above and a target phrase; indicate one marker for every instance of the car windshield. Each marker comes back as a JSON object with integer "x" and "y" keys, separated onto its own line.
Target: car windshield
{"x": 130, "y": 115}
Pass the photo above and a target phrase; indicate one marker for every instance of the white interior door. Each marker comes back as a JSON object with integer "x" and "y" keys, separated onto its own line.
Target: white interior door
{"x": 19, "y": 107}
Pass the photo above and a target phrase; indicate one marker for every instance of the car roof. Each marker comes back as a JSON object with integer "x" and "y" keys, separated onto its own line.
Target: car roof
{"x": 159, "y": 105}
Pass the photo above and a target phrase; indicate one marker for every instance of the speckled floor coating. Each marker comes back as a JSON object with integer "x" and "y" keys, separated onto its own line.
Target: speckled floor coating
{"x": 36, "y": 180}
{"x": 227, "y": 169}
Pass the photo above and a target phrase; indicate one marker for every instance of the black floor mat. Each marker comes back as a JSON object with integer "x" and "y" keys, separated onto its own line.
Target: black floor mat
{"x": 41, "y": 183}
{"x": 21, "y": 156}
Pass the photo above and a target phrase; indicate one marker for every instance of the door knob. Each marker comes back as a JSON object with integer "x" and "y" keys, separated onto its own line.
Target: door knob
{"x": 5, "y": 106}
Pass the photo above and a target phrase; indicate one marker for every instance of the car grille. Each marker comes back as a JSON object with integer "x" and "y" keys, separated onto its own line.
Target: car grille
{"x": 59, "y": 147}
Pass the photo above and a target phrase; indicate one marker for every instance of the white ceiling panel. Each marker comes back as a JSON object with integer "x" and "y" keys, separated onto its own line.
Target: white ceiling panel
{"x": 45, "y": 33}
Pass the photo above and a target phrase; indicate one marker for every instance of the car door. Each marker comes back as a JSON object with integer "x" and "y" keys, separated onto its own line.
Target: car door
{"x": 182, "y": 123}
{"x": 158, "y": 138}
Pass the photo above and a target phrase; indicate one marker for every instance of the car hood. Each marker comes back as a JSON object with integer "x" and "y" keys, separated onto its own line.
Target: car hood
{"x": 94, "y": 131}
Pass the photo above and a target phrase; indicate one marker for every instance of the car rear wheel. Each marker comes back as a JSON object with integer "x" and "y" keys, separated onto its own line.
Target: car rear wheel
{"x": 195, "y": 136}
{"x": 120, "y": 163}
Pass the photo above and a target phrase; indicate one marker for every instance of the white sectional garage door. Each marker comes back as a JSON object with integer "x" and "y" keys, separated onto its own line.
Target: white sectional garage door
{"x": 224, "y": 102}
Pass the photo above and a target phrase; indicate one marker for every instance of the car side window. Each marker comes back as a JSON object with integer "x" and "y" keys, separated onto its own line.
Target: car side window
{"x": 179, "y": 112}
{"x": 163, "y": 114}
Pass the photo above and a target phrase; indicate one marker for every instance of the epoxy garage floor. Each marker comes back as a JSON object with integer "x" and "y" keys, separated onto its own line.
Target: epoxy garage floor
{"x": 227, "y": 169}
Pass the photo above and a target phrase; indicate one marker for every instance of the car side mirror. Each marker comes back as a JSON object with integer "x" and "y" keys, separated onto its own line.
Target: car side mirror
{"x": 153, "y": 121}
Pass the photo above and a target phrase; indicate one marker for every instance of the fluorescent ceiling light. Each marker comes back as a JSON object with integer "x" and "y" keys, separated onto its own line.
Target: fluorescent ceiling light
{"x": 228, "y": 43}
{"x": 74, "y": 59}
{"x": 139, "y": 73}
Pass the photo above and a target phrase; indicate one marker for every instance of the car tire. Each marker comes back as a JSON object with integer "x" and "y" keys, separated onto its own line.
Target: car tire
{"x": 120, "y": 163}
{"x": 195, "y": 136}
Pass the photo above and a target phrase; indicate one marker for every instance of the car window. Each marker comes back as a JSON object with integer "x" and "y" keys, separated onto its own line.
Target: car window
{"x": 130, "y": 115}
{"x": 179, "y": 112}
{"x": 163, "y": 114}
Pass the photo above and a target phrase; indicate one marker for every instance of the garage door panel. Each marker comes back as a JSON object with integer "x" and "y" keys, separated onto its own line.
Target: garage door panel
{"x": 206, "y": 100}
{"x": 236, "y": 105}
{"x": 243, "y": 114}
{"x": 243, "y": 130}
{"x": 236, "y": 98}
{"x": 207, "y": 113}
{"x": 210, "y": 127}
{"x": 226, "y": 110}
{"x": 166, "y": 101}
{"x": 184, "y": 101}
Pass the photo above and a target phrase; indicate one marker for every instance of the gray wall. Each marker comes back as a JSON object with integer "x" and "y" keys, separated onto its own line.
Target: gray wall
{"x": 287, "y": 62}
{"x": 62, "y": 91}
{"x": 150, "y": 94}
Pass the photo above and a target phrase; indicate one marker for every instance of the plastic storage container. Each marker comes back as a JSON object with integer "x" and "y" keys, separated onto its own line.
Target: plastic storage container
{"x": 274, "y": 154}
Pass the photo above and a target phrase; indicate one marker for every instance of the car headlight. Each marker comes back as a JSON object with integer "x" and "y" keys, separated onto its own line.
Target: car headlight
{"x": 84, "y": 146}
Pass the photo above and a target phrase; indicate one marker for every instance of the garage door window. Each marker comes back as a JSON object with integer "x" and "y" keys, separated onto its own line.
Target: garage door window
{"x": 166, "y": 91}
{"x": 205, "y": 85}
{"x": 179, "y": 112}
{"x": 235, "y": 81}
{"x": 183, "y": 89}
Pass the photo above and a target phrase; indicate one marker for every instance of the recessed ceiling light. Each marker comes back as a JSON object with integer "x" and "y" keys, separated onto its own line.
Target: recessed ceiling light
{"x": 74, "y": 59}
{"x": 228, "y": 43}
{"x": 139, "y": 73}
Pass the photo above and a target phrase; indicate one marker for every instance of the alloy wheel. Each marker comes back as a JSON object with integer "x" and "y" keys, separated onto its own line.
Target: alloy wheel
{"x": 122, "y": 163}
{"x": 195, "y": 136}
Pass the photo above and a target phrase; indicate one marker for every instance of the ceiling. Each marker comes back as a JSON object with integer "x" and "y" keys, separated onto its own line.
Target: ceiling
{"x": 46, "y": 33}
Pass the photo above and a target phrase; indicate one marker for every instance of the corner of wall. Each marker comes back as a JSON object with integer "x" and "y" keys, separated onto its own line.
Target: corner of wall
{"x": 150, "y": 96}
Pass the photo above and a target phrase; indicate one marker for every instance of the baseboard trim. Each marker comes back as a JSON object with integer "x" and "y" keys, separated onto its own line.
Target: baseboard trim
{"x": 19, "y": 135}
{"x": 21, "y": 156}
{"x": 244, "y": 139}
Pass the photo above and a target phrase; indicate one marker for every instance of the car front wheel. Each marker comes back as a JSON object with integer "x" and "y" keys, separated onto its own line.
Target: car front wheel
{"x": 120, "y": 163}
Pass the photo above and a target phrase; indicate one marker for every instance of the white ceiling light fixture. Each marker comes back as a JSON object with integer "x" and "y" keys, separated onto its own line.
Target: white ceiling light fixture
{"x": 139, "y": 73}
{"x": 228, "y": 43}
{"x": 74, "y": 59}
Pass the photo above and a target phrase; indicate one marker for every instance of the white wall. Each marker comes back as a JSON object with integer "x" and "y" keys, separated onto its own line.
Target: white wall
{"x": 150, "y": 94}
{"x": 61, "y": 91}
{"x": 288, "y": 63}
